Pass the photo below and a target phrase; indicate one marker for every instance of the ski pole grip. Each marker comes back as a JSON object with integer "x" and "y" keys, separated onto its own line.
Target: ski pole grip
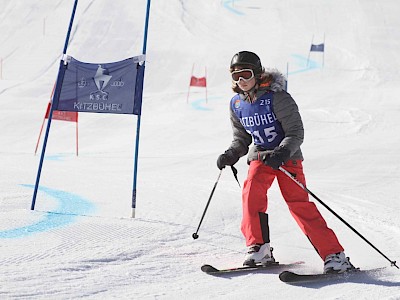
{"x": 291, "y": 176}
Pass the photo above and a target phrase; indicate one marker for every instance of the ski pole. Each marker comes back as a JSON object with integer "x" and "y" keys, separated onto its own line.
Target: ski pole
{"x": 195, "y": 235}
{"x": 287, "y": 173}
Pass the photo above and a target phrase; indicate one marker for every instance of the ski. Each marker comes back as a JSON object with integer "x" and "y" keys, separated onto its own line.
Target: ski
{"x": 293, "y": 278}
{"x": 243, "y": 269}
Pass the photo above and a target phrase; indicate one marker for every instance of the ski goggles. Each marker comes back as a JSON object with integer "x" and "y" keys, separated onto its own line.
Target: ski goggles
{"x": 245, "y": 74}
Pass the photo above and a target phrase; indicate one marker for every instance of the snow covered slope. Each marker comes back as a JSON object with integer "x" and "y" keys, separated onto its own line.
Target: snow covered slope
{"x": 80, "y": 241}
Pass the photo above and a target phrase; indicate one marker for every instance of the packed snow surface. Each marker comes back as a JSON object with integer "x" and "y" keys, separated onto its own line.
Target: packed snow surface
{"x": 81, "y": 242}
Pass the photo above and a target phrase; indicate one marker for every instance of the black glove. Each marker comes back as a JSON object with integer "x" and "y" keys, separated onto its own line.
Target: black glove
{"x": 229, "y": 158}
{"x": 277, "y": 157}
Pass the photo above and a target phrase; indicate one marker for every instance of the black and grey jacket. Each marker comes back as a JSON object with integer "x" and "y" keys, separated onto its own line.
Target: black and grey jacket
{"x": 286, "y": 112}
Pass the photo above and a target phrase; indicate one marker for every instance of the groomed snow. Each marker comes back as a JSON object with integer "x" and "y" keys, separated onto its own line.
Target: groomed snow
{"x": 80, "y": 241}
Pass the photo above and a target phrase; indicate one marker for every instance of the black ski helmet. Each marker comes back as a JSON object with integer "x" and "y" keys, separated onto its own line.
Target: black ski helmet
{"x": 247, "y": 58}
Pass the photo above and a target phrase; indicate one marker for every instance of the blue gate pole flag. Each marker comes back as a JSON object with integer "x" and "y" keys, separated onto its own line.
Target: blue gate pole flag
{"x": 317, "y": 48}
{"x": 115, "y": 87}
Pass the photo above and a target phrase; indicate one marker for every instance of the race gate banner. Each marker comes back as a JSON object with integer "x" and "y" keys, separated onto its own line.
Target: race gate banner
{"x": 102, "y": 88}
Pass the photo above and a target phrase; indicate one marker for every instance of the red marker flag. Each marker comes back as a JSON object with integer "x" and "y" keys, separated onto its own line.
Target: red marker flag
{"x": 70, "y": 116}
{"x": 198, "y": 81}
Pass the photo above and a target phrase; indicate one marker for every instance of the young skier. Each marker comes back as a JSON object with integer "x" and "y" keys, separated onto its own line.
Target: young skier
{"x": 262, "y": 112}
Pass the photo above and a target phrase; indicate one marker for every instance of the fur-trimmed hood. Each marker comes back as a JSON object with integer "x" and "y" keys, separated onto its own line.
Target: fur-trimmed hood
{"x": 273, "y": 80}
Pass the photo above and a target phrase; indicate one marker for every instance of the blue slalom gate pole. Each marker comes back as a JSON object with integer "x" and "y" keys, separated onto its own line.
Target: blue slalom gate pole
{"x": 56, "y": 96}
{"x": 146, "y": 26}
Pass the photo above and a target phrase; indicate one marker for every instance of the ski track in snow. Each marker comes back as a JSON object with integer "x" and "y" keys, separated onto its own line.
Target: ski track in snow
{"x": 80, "y": 242}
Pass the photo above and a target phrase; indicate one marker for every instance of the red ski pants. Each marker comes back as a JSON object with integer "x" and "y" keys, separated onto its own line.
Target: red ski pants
{"x": 306, "y": 214}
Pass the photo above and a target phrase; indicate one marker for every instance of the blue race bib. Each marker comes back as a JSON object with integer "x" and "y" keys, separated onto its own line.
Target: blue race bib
{"x": 259, "y": 120}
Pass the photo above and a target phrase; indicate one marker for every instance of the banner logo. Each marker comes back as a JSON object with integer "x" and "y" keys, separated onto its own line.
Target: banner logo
{"x": 82, "y": 83}
{"x": 101, "y": 80}
{"x": 118, "y": 83}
